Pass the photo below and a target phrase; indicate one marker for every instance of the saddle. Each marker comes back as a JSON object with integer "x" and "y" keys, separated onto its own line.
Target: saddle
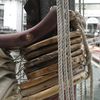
{"x": 41, "y": 65}
{"x": 41, "y": 59}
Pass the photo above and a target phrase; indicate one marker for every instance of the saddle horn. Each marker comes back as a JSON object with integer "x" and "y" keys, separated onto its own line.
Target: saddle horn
{"x": 31, "y": 35}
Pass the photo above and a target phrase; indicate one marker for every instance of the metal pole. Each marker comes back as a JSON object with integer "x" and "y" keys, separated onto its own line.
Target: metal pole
{"x": 80, "y": 6}
{"x": 72, "y": 5}
{"x": 22, "y": 18}
{"x": 83, "y": 7}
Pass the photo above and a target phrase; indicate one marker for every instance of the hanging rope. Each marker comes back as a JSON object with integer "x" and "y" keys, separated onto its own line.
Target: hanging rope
{"x": 88, "y": 58}
{"x": 79, "y": 24}
{"x": 68, "y": 48}
{"x": 64, "y": 61}
{"x": 60, "y": 68}
{"x": 60, "y": 54}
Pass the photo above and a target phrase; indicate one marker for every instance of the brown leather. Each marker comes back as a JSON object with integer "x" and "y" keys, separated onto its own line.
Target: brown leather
{"x": 47, "y": 58}
{"x": 49, "y": 41}
{"x": 40, "y": 87}
{"x": 38, "y": 80}
{"x": 43, "y": 71}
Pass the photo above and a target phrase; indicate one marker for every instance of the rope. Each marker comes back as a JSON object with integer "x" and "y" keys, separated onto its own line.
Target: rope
{"x": 80, "y": 25}
{"x": 64, "y": 61}
{"x": 65, "y": 16}
{"x": 60, "y": 54}
{"x": 68, "y": 49}
{"x": 88, "y": 59}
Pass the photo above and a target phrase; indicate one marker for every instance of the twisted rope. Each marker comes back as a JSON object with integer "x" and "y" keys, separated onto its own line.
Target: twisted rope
{"x": 80, "y": 25}
{"x": 60, "y": 52}
{"x": 88, "y": 59}
{"x": 60, "y": 67}
{"x": 64, "y": 61}
{"x": 68, "y": 48}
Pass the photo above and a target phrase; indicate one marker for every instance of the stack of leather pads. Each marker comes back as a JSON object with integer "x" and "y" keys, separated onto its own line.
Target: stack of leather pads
{"x": 41, "y": 65}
